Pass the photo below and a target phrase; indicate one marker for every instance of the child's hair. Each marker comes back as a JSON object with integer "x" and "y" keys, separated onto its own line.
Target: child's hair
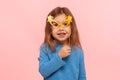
{"x": 74, "y": 37}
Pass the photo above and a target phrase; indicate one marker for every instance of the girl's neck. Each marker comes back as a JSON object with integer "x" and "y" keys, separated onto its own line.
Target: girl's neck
{"x": 61, "y": 42}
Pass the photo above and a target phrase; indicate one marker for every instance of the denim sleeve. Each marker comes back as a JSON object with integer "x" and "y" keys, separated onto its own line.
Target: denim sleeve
{"x": 46, "y": 66}
{"x": 82, "y": 71}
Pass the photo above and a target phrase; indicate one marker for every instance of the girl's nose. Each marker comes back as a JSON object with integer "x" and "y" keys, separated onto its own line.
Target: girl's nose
{"x": 61, "y": 28}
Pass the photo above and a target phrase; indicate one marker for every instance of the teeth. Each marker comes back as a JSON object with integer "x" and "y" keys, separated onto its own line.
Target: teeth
{"x": 61, "y": 33}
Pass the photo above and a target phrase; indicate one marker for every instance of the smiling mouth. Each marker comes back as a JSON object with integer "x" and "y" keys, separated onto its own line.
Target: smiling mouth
{"x": 61, "y": 34}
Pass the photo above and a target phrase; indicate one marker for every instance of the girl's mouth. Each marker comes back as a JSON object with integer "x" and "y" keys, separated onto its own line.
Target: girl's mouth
{"x": 62, "y": 34}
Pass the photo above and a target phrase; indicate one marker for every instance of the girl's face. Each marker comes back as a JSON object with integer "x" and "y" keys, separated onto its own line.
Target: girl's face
{"x": 62, "y": 33}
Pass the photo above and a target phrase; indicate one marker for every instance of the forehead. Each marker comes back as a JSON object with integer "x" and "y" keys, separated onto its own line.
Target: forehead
{"x": 60, "y": 17}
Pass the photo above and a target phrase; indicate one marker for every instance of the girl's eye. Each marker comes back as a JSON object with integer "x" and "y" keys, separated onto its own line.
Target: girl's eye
{"x": 54, "y": 24}
{"x": 65, "y": 23}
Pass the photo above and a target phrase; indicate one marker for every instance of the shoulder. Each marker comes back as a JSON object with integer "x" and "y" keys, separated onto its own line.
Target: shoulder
{"x": 78, "y": 50}
{"x": 44, "y": 47}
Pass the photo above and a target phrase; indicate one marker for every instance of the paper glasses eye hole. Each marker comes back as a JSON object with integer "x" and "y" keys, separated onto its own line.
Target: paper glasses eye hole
{"x": 65, "y": 23}
{"x": 54, "y": 23}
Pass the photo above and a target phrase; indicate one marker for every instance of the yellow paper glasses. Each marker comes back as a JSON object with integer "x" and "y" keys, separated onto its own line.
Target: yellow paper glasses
{"x": 56, "y": 24}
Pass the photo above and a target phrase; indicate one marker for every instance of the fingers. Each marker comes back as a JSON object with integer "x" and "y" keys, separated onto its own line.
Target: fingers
{"x": 68, "y": 51}
{"x": 67, "y": 48}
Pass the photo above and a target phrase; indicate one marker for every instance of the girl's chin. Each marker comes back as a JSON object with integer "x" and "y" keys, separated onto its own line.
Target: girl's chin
{"x": 62, "y": 39}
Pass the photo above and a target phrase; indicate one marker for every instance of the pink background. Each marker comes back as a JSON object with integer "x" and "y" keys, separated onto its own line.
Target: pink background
{"x": 22, "y": 31}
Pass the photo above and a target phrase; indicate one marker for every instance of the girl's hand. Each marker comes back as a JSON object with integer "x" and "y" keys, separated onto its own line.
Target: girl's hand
{"x": 64, "y": 51}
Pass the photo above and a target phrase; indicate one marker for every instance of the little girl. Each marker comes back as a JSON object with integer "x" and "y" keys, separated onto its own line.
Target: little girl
{"x": 61, "y": 56}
